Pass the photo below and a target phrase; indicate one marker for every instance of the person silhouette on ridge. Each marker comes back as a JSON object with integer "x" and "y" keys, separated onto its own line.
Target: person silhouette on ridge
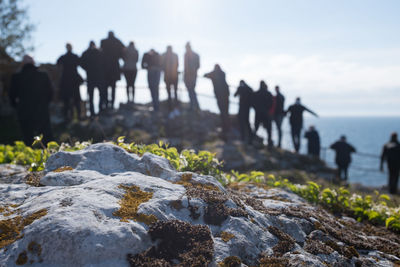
{"x": 170, "y": 63}
{"x": 391, "y": 154}
{"x": 191, "y": 65}
{"x": 130, "y": 57}
{"x": 279, "y": 112}
{"x": 262, "y": 101}
{"x": 30, "y": 93}
{"x": 296, "y": 121}
{"x": 245, "y": 94}
{"x": 313, "y": 144}
{"x": 112, "y": 50}
{"x": 221, "y": 91}
{"x": 343, "y": 156}
{"x": 92, "y": 63}
{"x": 151, "y": 61}
{"x": 70, "y": 82}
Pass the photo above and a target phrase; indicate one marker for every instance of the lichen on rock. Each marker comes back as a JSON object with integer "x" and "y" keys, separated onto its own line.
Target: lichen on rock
{"x": 130, "y": 202}
{"x": 11, "y": 229}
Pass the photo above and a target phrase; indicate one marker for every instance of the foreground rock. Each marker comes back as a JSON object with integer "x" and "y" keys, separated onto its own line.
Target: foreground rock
{"x": 104, "y": 207}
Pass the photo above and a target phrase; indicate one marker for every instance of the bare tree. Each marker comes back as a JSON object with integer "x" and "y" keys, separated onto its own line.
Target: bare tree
{"x": 15, "y": 28}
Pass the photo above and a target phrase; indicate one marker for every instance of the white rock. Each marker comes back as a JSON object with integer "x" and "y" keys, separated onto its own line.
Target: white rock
{"x": 81, "y": 230}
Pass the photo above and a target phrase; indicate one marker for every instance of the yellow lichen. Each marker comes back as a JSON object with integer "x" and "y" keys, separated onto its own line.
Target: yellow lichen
{"x": 226, "y": 236}
{"x": 63, "y": 169}
{"x": 129, "y": 205}
{"x": 11, "y": 229}
{"x": 8, "y": 210}
{"x": 187, "y": 182}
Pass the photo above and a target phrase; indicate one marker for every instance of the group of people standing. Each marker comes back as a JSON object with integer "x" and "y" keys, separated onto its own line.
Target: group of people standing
{"x": 269, "y": 109}
{"x": 103, "y": 70}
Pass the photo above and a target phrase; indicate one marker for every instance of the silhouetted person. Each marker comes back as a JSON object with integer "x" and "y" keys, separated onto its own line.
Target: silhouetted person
{"x": 169, "y": 62}
{"x": 391, "y": 154}
{"x": 221, "y": 91}
{"x": 30, "y": 93}
{"x": 152, "y": 62}
{"x": 313, "y": 144}
{"x": 113, "y": 51}
{"x": 92, "y": 63}
{"x": 131, "y": 57}
{"x": 279, "y": 112}
{"x": 70, "y": 82}
{"x": 343, "y": 156}
{"x": 191, "y": 65}
{"x": 245, "y": 94}
{"x": 262, "y": 101}
{"x": 296, "y": 121}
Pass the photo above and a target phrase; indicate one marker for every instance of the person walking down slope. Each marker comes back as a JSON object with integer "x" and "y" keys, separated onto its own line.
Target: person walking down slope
{"x": 191, "y": 65}
{"x": 130, "y": 57}
{"x": 391, "y": 154}
{"x": 169, "y": 62}
{"x": 30, "y": 93}
{"x": 245, "y": 94}
{"x": 221, "y": 91}
{"x": 279, "y": 112}
{"x": 151, "y": 61}
{"x": 70, "y": 82}
{"x": 296, "y": 121}
{"x": 343, "y": 156}
{"x": 262, "y": 101}
{"x": 92, "y": 63}
{"x": 112, "y": 51}
{"x": 313, "y": 144}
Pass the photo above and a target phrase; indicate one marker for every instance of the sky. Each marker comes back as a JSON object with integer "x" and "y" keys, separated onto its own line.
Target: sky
{"x": 341, "y": 57}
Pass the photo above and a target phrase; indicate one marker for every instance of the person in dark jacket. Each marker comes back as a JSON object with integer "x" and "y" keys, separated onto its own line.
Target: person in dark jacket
{"x": 343, "y": 156}
{"x": 391, "y": 154}
{"x": 279, "y": 112}
{"x": 30, "y": 93}
{"x": 152, "y": 62}
{"x": 221, "y": 91}
{"x": 92, "y": 63}
{"x": 131, "y": 57}
{"x": 191, "y": 65}
{"x": 70, "y": 82}
{"x": 170, "y": 63}
{"x": 245, "y": 94}
{"x": 262, "y": 101}
{"x": 112, "y": 51}
{"x": 296, "y": 121}
{"x": 314, "y": 145}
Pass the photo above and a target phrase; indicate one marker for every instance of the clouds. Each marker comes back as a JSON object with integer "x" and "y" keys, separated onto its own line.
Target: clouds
{"x": 332, "y": 85}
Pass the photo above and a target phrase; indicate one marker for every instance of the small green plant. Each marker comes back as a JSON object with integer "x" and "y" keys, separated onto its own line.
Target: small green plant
{"x": 374, "y": 209}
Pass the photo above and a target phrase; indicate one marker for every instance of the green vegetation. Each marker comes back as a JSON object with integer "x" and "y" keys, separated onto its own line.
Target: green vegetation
{"x": 376, "y": 208}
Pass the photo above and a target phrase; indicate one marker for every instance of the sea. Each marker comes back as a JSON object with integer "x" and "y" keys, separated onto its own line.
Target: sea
{"x": 366, "y": 134}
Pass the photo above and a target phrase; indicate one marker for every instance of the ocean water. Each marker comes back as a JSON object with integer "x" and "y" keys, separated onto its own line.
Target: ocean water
{"x": 366, "y": 134}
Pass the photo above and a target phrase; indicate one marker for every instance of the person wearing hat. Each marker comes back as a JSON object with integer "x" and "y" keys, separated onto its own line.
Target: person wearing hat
{"x": 343, "y": 156}
{"x": 30, "y": 93}
{"x": 391, "y": 154}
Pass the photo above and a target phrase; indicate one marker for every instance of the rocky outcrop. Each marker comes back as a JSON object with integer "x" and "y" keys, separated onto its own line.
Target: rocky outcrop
{"x": 102, "y": 206}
